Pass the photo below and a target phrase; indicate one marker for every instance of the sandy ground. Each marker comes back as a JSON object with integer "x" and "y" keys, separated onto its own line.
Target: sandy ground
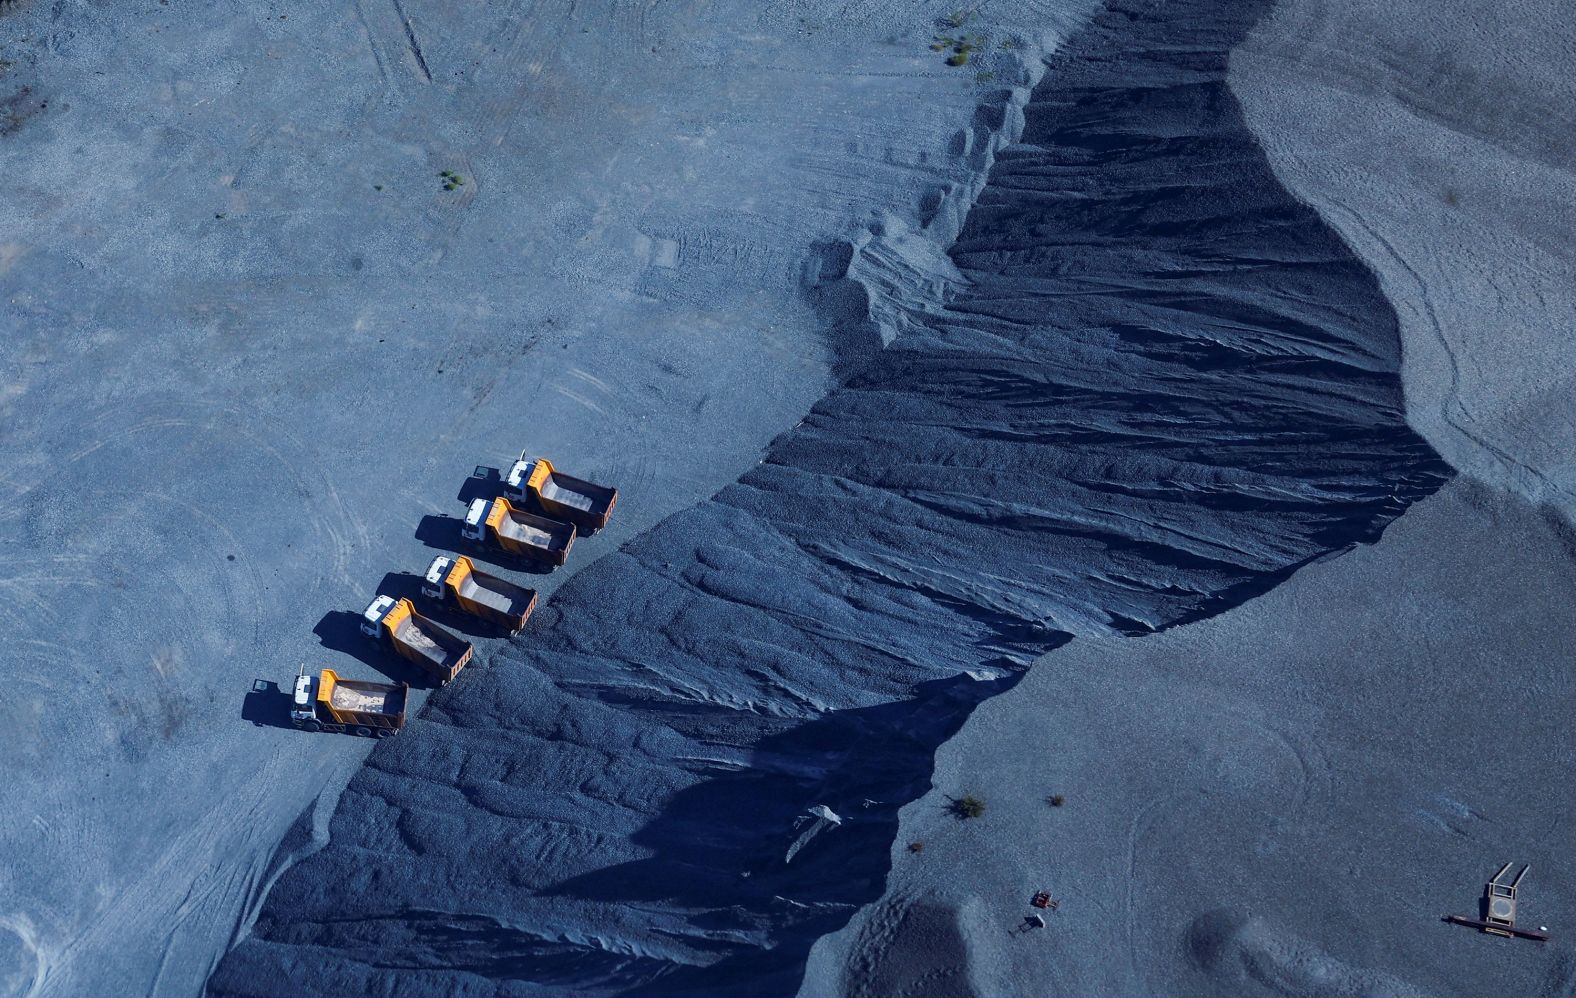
{"x": 1284, "y": 800}
{"x": 1280, "y": 801}
{"x": 1436, "y": 138}
{"x": 254, "y": 350}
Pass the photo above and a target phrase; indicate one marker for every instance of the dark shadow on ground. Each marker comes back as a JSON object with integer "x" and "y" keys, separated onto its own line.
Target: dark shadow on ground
{"x": 266, "y": 705}
{"x": 441, "y": 533}
{"x": 484, "y": 483}
{"x": 406, "y": 585}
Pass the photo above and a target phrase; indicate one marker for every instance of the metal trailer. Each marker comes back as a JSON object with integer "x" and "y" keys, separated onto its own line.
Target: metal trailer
{"x": 415, "y": 638}
{"x": 498, "y": 601}
{"x": 1499, "y": 908}
{"x": 518, "y": 532}
{"x": 563, "y": 497}
{"x": 327, "y": 703}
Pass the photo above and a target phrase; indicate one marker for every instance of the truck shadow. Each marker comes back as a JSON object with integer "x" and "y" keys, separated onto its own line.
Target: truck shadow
{"x": 266, "y": 705}
{"x": 439, "y": 532}
{"x": 340, "y": 631}
{"x": 484, "y": 483}
{"x": 442, "y": 533}
{"x": 407, "y": 585}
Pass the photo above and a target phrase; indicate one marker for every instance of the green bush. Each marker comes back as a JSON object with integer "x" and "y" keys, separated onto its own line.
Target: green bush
{"x": 968, "y": 807}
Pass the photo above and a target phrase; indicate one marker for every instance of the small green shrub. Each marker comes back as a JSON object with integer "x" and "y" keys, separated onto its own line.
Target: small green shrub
{"x": 968, "y": 807}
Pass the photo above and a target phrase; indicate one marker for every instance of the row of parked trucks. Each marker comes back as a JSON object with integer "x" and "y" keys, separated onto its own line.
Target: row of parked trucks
{"x": 538, "y": 517}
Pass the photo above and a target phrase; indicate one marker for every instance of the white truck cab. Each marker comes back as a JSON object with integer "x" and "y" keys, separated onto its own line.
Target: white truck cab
{"x": 475, "y": 528}
{"x": 301, "y": 708}
{"x": 374, "y": 614}
{"x": 432, "y": 587}
{"x": 519, "y": 474}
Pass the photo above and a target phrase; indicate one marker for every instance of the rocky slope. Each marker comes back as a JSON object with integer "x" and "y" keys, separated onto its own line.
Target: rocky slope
{"x": 1152, "y": 385}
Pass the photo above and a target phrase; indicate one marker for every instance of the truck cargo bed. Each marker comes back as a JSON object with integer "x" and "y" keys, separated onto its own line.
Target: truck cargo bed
{"x": 497, "y": 601}
{"x": 555, "y": 490}
{"x": 367, "y": 698}
{"x": 443, "y": 650}
{"x": 577, "y": 500}
{"x": 531, "y": 534}
{"x": 585, "y": 504}
{"x": 527, "y": 534}
{"x": 505, "y": 598}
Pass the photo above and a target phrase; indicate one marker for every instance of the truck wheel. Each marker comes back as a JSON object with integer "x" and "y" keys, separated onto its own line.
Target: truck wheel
{"x": 364, "y": 732}
{"x": 311, "y": 726}
{"x": 387, "y": 732}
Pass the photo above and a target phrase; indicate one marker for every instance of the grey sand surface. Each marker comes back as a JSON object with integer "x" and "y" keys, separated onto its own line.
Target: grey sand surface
{"x": 1280, "y": 801}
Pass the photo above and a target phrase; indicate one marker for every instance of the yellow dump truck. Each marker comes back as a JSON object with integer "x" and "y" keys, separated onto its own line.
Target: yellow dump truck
{"x": 518, "y": 532}
{"x": 327, "y": 703}
{"x": 456, "y": 579}
{"x": 560, "y": 496}
{"x": 433, "y": 649}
